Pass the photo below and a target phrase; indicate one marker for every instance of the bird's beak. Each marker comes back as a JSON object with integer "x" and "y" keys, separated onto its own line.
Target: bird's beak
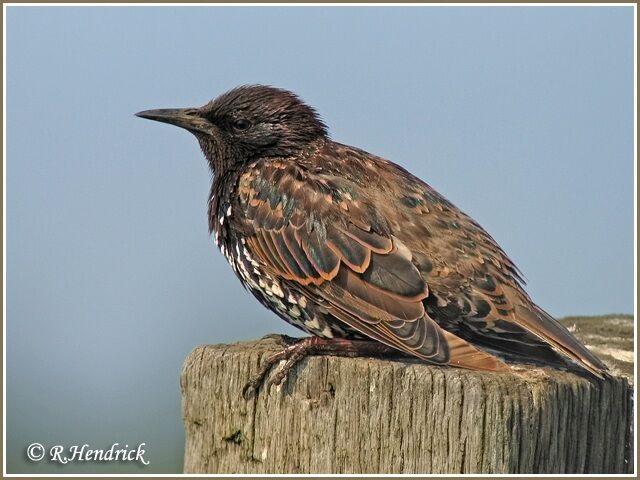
{"x": 187, "y": 118}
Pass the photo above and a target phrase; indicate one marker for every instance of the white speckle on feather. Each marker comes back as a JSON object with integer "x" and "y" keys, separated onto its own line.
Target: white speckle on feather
{"x": 326, "y": 332}
{"x": 313, "y": 323}
{"x": 275, "y": 288}
{"x": 249, "y": 257}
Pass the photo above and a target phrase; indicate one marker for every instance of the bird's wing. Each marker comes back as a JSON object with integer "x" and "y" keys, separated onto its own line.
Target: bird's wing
{"x": 476, "y": 290}
{"x": 319, "y": 232}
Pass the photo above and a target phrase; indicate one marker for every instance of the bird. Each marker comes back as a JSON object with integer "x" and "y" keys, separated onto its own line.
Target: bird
{"x": 356, "y": 251}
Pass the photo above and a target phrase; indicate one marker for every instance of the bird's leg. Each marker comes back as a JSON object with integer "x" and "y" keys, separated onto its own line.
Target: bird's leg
{"x": 295, "y": 352}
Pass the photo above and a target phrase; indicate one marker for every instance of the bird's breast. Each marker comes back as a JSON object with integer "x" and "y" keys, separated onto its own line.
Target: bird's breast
{"x": 276, "y": 294}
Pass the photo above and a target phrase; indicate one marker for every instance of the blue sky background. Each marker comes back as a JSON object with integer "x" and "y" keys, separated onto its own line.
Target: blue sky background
{"x": 523, "y": 117}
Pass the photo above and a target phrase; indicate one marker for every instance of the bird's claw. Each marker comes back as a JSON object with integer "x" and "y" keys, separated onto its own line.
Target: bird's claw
{"x": 253, "y": 385}
{"x": 294, "y": 351}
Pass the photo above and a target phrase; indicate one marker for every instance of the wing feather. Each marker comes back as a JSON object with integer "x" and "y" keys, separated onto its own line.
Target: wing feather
{"x": 338, "y": 250}
{"x": 417, "y": 274}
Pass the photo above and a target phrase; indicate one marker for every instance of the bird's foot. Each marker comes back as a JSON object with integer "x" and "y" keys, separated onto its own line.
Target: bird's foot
{"x": 292, "y": 353}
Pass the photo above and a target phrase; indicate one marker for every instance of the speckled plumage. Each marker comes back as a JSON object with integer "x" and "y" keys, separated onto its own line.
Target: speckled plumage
{"x": 344, "y": 244}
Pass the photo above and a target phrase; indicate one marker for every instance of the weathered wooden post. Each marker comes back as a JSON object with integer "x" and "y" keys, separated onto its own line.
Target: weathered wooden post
{"x": 360, "y": 415}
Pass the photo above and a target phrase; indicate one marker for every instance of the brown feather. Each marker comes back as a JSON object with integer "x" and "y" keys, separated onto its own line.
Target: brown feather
{"x": 375, "y": 264}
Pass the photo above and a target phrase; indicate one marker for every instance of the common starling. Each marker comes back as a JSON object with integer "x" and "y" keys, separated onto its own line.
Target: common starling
{"x": 355, "y": 250}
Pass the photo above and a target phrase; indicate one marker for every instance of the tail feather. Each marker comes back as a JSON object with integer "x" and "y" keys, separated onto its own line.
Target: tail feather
{"x": 544, "y": 326}
{"x": 463, "y": 354}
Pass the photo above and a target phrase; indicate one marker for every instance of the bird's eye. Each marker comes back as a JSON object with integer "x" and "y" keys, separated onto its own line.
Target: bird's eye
{"x": 241, "y": 124}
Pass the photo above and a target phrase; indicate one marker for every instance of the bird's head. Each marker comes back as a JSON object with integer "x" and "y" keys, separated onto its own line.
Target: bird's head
{"x": 245, "y": 123}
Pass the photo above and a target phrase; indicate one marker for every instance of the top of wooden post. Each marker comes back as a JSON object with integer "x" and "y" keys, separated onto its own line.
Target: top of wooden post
{"x": 363, "y": 415}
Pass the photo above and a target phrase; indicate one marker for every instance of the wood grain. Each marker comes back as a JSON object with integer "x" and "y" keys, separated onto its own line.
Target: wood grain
{"x": 363, "y": 415}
